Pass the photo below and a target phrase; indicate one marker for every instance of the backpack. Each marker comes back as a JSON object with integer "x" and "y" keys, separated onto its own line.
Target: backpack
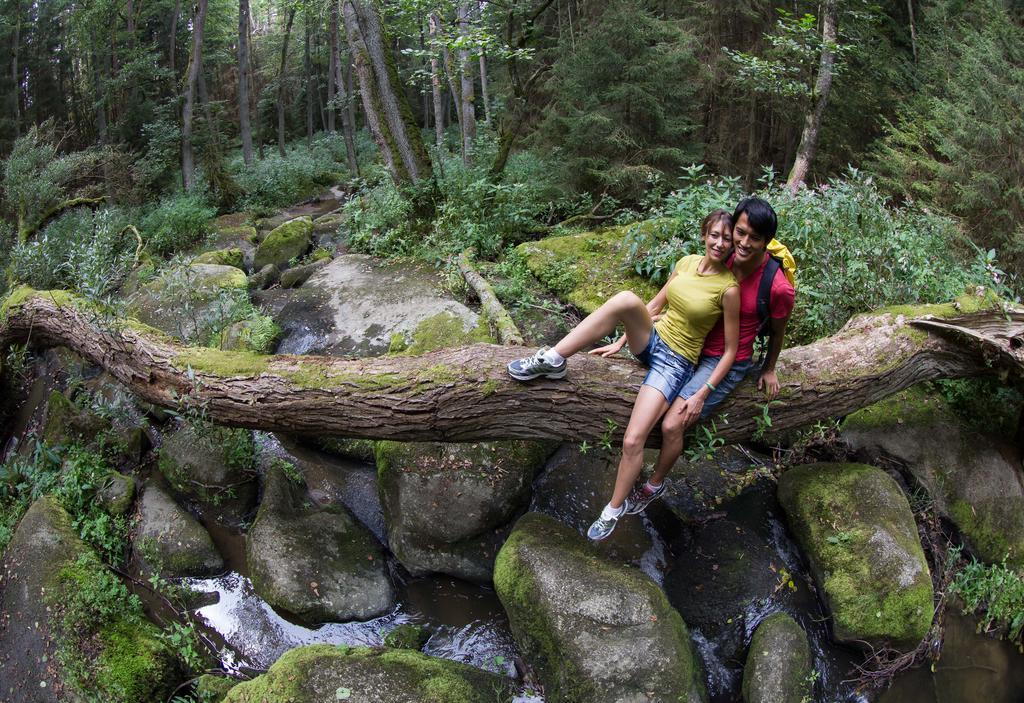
{"x": 779, "y": 257}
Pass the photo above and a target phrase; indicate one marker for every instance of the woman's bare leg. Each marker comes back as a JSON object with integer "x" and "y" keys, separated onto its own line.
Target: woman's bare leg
{"x": 626, "y": 308}
{"x": 672, "y": 430}
{"x": 650, "y": 405}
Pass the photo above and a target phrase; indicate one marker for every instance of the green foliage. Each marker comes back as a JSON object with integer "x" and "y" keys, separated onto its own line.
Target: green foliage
{"x": 275, "y": 182}
{"x": 995, "y": 591}
{"x": 983, "y": 404}
{"x": 95, "y": 597}
{"x": 176, "y": 223}
{"x": 620, "y": 110}
{"x": 856, "y": 251}
{"x": 957, "y": 137}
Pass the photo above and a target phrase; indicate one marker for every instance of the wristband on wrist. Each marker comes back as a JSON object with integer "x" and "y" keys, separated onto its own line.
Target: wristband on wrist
{"x": 708, "y": 384}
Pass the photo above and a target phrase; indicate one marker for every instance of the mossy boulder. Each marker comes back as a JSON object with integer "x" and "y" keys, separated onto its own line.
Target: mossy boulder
{"x": 855, "y": 526}
{"x": 221, "y": 257}
{"x": 117, "y": 657}
{"x": 265, "y": 277}
{"x": 315, "y": 562}
{"x": 284, "y": 243}
{"x": 321, "y": 672}
{"x": 185, "y": 301}
{"x": 973, "y": 478}
{"x": 116, "y": 493}
{"x": 171, "y": 542}
{"x": 296, "y": 276}
{"x": 407, "y": 636}
{"x": 67, "y": 423}
{"x": 212, "y": 689}
{"x": 213, "y": 467}
{"x": 594, "y": 631}
{"x": 586, "y": 269}
{"x": 778, "y": 667}
{"x": 257, "y": 334}
{"x": 447, "y": 507}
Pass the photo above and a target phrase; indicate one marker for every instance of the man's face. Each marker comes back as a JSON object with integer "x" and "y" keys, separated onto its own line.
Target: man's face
{"x": 747, "y": 242}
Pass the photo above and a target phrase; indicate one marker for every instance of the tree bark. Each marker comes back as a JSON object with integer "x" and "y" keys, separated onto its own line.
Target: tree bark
{"x": 458, "y": 395}
{"x": 449, "y": 67}
{"x": 435, "y": 83}
{"x": 172, "y": 44}
{"x": 281, "y": 76}
{"x": 913, "y": 29}
{"x": 333, "y": 68}
{"x": 15, "y": 76}
{"x": 812, "y": 123}
{"x": 244, "y": 124}
{"x": 347, "y": 112}
{"x": 468, "y": 110}
{"x": 188, "y": 166}
{"x": 483, "y": 87}
{"x": 307, "y": 66}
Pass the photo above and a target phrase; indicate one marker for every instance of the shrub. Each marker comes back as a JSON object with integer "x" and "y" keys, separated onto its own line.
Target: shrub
{"x": 994, "y": 590}
{"x": 178, "y": 222}
{"x": 275, "y": 182}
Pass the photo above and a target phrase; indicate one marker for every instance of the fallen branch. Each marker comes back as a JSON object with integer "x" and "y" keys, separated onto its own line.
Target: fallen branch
{"x": 505, "y": 327}
{"x": 28, "y": 230}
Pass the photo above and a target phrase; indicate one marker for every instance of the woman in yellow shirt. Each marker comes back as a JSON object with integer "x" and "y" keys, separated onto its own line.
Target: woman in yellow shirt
{"x": 666, "y": 335}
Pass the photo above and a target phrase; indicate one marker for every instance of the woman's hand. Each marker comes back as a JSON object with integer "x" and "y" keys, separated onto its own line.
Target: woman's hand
{"x": 690, "y": 409}
{"x": 610, "y": 349}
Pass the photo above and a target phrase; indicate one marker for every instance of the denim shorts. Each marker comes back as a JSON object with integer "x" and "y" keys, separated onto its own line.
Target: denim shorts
{"x": 705, "y": 367}
{"x": 667, "y": 370}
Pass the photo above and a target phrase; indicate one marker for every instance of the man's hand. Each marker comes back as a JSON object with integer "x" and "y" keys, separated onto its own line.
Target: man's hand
{"x": 610, "y": 349}
{"x": 769, "y": 383}
{"x": 690, "y": 409}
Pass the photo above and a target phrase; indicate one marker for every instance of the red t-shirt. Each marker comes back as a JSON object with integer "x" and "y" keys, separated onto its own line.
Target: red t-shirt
{"x": 782, "y": 299}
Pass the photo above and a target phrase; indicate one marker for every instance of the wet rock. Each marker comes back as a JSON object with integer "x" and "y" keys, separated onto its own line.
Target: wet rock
{"x": 587, "y": 269}
{"x": 328, "y": 223}
{"x": 171, "y": 542}
{"x": 295, "y": 277}
{"x": 265, "y": 277}
{"x": 778, "y": 664}
{"x": 974, "y": 479}
{"x": 44, "y": 568}
{"x": 855, "y": 525}
{"x": 355, "y": 306}
{"x": 317, "y": 563}
{"x": 214, "y": 468}
{"x": 221, "y": 257}
{"x": 407, "y": 637}
{"x": 256, "y": 334}
{"x": 284, "y": 243}
{"x": 320, "y": 672}
{"x": 447, "y": 507}
{"x": 213, "y": 689}
{"x": 66, "y": 423}
{"x": 575, "y": 486}
{"x": 116, "y": 493}
{"x": 185, "y": 301}
{"x": 594, "y": 631}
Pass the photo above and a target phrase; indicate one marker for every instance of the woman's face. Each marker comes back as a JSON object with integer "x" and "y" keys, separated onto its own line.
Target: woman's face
{"x": 718, "y": 241}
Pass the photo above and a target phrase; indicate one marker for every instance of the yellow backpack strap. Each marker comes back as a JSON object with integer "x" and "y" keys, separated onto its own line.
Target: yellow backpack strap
{"x": 781, "y": 251}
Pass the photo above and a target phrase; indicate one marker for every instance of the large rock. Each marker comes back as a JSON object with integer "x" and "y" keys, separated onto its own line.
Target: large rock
{"x": 170, "y": 541}
{"x": 587, "y": 269}
{"x": 974, "y": 479}
{"x": 187, "y": 301}
{"x": 448, "y": 506}
{"x": 778, "y": 665}
{"x": 214, "y": 468}
{"x": 286, "y": 242}
{"x": 594, "y": 631}
{"x": 855, "y": 525}
{"x": 358, "y": 306}
{"x": 115, "y": 657}
{"x": 222, "y": 257}
{"x": 297, "y": 275}
{"x": 67, "y": 423}
{"x": 319, "y": 673}
{"x": 314, "y": 562}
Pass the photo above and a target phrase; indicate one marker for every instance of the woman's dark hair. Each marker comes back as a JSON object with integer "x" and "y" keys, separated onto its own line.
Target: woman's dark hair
{"x": 760, "y": 215}
{"x": 713, "y": 217}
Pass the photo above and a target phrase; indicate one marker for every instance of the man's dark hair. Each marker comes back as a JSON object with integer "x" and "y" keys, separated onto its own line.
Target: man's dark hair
{"x": 760, "y": 215}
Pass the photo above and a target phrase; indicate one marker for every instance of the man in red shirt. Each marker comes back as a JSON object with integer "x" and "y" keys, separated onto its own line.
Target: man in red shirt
{"x": 754, "y": 226}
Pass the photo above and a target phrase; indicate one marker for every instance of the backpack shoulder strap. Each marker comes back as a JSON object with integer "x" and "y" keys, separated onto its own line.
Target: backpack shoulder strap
{"x": 764, "y": 294}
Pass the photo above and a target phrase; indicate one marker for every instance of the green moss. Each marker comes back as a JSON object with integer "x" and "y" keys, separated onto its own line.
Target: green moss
{"x": 212, "y": 689}
{"x": 963, "y": 305}
{"x": 842, "y": 515}
{"x": 443, "y": 330}
{"x": 22, "y": 294}
{"x": 913, "y": 405}
{"x": 221, "y": 363}
{"x": 134, "y": 664}
{"x": 585, "y": 269}
{"x": 407, "y": 636}
{"x": 221, "y": 257}
{"x": 992, "y": 527}
{"x": 284, "y": 243}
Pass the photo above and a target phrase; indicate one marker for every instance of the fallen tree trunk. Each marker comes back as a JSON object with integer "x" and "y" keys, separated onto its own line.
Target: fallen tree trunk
{"x": 465, "y": 395}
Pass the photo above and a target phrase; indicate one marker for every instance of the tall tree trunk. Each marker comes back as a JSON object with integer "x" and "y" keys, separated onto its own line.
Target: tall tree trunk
{"x": 281, "y": 76}
{"x": 483, "y": 87}
{"x": 449, "y": 67}
{"x": 333, "y": 68}
{"x": 384, "y": 101}
{"x": 468, "y": 110}
{"x": 15, "y": 75}
{"x": 188, "y": 164}
{"x": 913, "y": 29}
{"x": 812, "y": 123}
{"x": 254, "y": 93}
{"x": 244, "y": 125}
{"x": 346, "y": 101}
{"x": 172, "y": 42}
{"x": 307, "y": 66}
{"x": 435, "y": 83}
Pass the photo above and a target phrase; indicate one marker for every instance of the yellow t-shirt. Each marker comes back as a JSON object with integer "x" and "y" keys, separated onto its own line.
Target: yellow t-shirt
{"x": 694, "y": 306}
